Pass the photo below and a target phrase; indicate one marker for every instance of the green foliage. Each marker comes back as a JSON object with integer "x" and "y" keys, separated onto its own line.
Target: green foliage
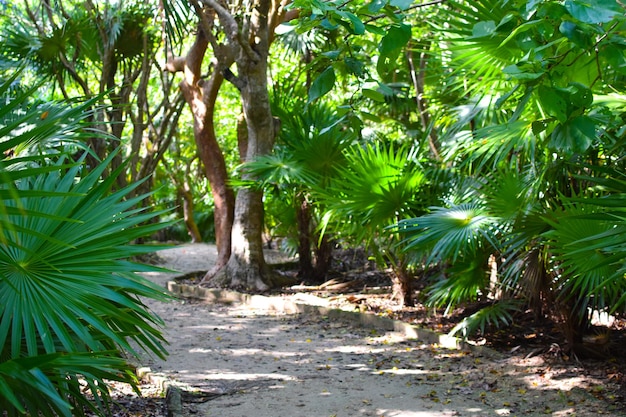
{"x": 498, "y": 314}
{"x": 71, "y": 301}
{"x": 450, "y": 233}
{"x": 322, "y": 84}
{"x": 535, "y": 73}
{"x": 309, "y": 151}
{"x": 378, "y": 184}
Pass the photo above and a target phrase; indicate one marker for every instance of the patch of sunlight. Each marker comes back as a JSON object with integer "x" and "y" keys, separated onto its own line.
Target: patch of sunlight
{"x": 248, "y": 352}
{"x": 221, "y": 375}
{"x": 355, "y": 349}
{"x": 401, "y": 371}
{"x": 407, "y": 413}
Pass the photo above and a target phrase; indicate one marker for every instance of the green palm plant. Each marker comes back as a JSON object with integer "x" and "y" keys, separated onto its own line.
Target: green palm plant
{"x": 528, "y": 129}
{"x": 379, "y": 185}
{"x": 309, "y": 150}
{"x": 72, "y": 306}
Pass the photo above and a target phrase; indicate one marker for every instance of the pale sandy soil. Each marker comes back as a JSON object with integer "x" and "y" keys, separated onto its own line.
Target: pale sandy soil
{"x": 235, "y": 361}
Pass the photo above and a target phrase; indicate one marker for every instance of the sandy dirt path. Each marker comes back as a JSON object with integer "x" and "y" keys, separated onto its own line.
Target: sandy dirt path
{"x": 244, "y": 362}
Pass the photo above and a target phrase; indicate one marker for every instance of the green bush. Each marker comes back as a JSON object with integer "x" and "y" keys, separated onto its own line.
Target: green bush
{"x": 71, "y": 306}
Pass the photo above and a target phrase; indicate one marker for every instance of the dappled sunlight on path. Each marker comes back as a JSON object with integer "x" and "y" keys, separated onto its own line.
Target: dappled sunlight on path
{"x": 250, "y": 362}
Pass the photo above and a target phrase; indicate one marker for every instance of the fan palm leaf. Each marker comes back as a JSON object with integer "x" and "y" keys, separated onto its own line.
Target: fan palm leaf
{"x": 71, "y": 301}
{"x": 452, "y": 233}
{"x": 585, "y": 268}
{"x": 380, "y": 183}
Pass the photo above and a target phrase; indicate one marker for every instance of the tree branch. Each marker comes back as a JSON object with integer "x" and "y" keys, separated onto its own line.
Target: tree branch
{"x": 413, "y": 7}
{"x": 231, "y": 28}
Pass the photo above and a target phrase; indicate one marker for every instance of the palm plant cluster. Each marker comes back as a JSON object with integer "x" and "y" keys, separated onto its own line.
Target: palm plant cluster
{"x": 71, "y": 311}
{"x": 538, "y": 159}
{"x": 519, "y": 203}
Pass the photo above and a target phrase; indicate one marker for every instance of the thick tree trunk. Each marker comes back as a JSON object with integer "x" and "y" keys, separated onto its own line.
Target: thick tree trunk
{"x": 203, "y": 108}
{"x": 201, "y": 96}
{"x": 246, "y": 268}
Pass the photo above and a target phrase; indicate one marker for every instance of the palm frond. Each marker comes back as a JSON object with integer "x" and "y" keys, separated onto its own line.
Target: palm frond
{"x": 378, "y": 185}
{"x": 509, "y": 194}
{"x": 498, "y": 314}
{"x": 451, "y": 233}
{"x": 585, "y": 258}
{"x": 494, "y": 145}
{"x": 465, "y": 281}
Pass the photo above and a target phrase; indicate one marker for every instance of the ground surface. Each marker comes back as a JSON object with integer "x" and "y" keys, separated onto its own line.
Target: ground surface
{"x": 238, "y": 361}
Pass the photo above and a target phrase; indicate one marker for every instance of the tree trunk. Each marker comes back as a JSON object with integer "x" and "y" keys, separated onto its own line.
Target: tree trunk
{"x": 402, "y": 286}
{"x": 246, "y": 268}
{"x": 190, "y": 223}
{"x": 203, "y": 108}
{"x": 323, "y": 257}
{"x": 417, "y": 76}
{"x": 305, "y": 260}
{"x": 201, "y": 96}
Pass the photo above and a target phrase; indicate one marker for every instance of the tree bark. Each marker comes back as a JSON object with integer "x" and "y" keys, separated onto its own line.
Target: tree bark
{"x": 305, "y": 260}
{"x": 201, "y": 95}
{"x": 246, "y": 269}
{"x": 402, "y": 287}
{"x": 417, "y": 76}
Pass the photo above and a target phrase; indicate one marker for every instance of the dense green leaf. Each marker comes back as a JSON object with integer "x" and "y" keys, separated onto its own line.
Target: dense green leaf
{"x": 322, "y": 85}
{"x": 553, "y": 103}
{"x": 481, "y": 29}
{"x": 374, "y": 95}
{"x": 376, "y": 5}
{"x": 593, "y": 11}
{"x": 575, "y": 33}
{"x": 401, "y": 4}
{"x": 396, "y": 38}
{"x": 574, "y": 136}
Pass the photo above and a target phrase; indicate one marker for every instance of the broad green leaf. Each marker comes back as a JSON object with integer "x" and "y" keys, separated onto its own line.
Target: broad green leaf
{"x": 396, "y": 38}
{"x": 522, "y": 72}
{"x": 574, "y": 136}
{"x": 355, "y": 66}
{"x": 370, "y": 116}
{"x": 374, "y": 95}
{"x": 357, "y": 25}
{"x": 377, "y": 30}
{"x": 581, "y": 96}
{"x": 483, "y": 29}
{"x": 576, "y": 34}
{"x": 401, "y": 4}
{"x": 376, "y": 5}
{"x": 594, "y": 11}
{"x": 390, "y": 47}
{"x": 553, "y": 103}
{"x": 524, "y": 27}
{"x": 331, "y": 54}
{"x": 322, "y": 84}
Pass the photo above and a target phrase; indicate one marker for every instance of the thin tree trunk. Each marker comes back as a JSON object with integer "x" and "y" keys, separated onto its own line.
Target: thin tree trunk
{"x": 417, "y": 76}
{"x": 303, "y": 217}
{"x": 402, "y": 286}
{"x": 190, "y": 223}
